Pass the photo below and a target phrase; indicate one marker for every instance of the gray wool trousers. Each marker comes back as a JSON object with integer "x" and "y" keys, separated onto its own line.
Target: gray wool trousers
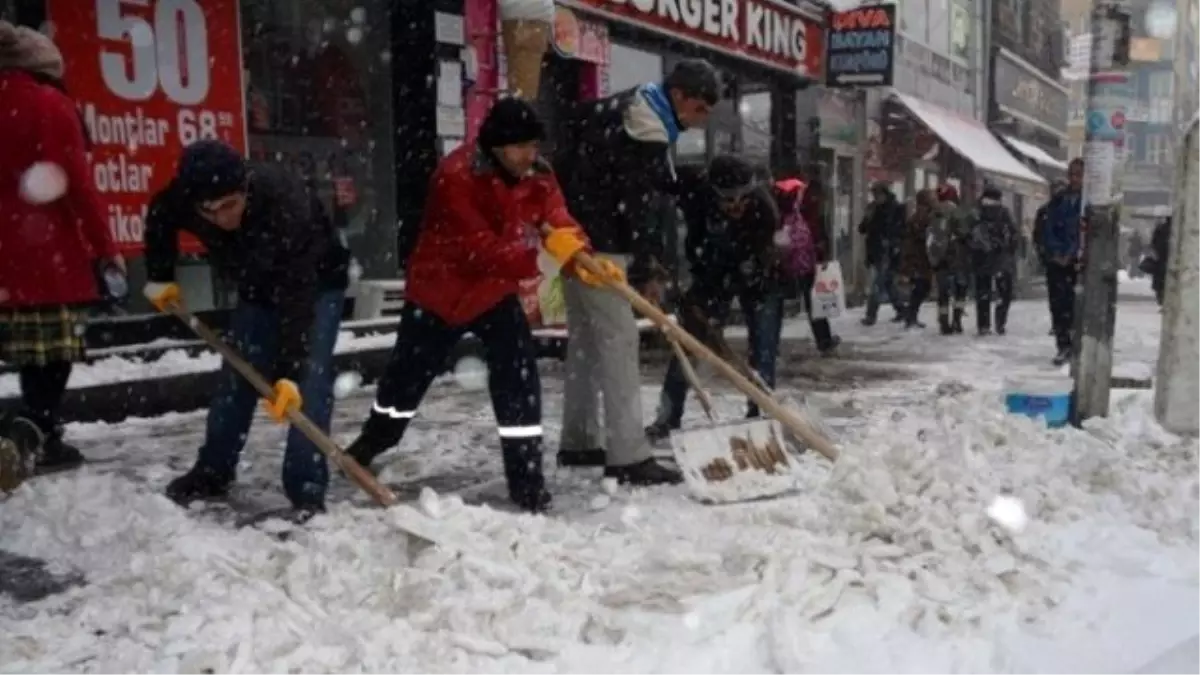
{"x": 602, "y": 364}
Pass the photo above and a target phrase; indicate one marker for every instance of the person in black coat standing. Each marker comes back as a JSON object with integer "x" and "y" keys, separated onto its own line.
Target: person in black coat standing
{"x": 264, "y": 231}
{"x": 884, "y": 229}
{"x": 1160, "y": 244}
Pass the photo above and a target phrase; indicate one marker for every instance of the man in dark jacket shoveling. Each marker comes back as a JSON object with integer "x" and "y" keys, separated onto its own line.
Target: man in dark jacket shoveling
{"x": 616, "y": 161}
{"x": 264, "y": 231}
{"x": 490, "y": 206}
{"x": 732, "y": 221}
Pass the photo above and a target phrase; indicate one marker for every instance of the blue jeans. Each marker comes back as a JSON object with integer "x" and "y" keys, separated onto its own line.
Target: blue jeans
{"x": 254, "y": 333}
{"x": 883, "y": 288}
{"x": 764, "y": 326}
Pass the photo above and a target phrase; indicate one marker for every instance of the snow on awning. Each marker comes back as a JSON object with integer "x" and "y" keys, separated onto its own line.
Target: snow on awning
{"x": 1035, "y": 153}
{"x": 969, "y": 138}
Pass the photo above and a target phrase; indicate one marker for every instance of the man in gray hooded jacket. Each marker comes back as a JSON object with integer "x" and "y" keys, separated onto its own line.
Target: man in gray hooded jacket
{"x": 993, "y": 242}
{"x": 613, "y": 161}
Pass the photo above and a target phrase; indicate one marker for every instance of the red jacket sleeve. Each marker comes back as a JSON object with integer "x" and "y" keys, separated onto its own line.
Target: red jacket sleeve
{"x": 555, "y": 207}
{"x": 68, "y": 151}
{"x": 464, "y": 227}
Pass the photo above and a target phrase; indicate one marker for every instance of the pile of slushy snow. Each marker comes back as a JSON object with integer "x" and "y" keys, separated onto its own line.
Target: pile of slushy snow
{"x": 886, "y": 563}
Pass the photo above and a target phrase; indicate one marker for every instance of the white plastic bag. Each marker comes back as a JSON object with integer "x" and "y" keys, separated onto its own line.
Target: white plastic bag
{"x": 829, "y": 293}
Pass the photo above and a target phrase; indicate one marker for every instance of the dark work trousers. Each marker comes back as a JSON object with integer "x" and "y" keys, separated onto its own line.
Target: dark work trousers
{"x": 764, "y": 326}
{"x": 920, "y": 291}
{"x": 254, "y": 333}
{"x": 42, "y": 389}
{"x": 423, "y": 345}
{"x": 989, "y": 287}
{"x": 1060, "y": 282}
{"x": 820, "y": 327}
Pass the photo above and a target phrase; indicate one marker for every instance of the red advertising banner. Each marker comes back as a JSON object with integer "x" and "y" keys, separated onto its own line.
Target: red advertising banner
{"x": 771, "y": 32}
{"x": 150, "y": 77}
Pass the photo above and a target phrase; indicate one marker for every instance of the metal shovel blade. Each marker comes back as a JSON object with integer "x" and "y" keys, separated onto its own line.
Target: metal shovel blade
{"x": 742, "y": 461}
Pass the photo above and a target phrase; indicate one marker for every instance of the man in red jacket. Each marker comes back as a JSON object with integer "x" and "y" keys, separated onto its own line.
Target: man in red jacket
{"x": 490, "y": 206}
{"x": 52, "y": 235}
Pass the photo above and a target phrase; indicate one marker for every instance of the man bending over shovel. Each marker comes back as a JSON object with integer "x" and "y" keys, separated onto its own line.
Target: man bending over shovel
{"x": 263, "y": 230}
{"x": 731, "y": 221}
{"x": 490, "y": 206}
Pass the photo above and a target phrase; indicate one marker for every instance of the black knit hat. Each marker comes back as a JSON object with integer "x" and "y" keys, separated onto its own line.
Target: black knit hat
{"x": 510, "y": 121}
{"x": 210, "y": 170}
{"x": 731, "y": 177}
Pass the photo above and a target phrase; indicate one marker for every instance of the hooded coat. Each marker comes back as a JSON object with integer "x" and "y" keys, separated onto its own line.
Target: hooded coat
{"x": 48, "y": 246}
{"x": 993, "y": 238}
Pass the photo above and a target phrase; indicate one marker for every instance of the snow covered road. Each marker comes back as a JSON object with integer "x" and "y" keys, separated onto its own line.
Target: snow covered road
{"x": 887, "y": 562}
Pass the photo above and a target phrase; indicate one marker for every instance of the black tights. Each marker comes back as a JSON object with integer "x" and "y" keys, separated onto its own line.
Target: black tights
{"x": 42, "y": 389}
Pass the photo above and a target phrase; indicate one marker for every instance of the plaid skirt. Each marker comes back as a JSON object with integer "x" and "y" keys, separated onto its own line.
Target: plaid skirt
{"x": 37, "y": 336}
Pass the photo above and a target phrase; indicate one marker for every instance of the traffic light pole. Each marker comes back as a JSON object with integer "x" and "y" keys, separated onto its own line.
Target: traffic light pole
{"x": 1095, "y": 320}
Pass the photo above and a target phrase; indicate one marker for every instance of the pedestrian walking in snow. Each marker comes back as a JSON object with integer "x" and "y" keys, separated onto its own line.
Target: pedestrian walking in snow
{"x": 951, "y": 259}
{"x": 804, "y": 247}
{"x": 1061, "y": 241}
{"x": 1160, "y": 245}
{"x": 993, "y": 241}
{"x": 884, "y": 229}
{"x": 915, "y": 267}
{"x": 478, "y": 240}
{"x": 732, "y": 223}
{"x": 616, "y": 159}
{"x": 269, "y": 235}
{"x": 55, "y": 245}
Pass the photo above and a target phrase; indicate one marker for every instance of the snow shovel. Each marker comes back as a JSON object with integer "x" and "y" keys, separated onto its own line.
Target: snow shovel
{"x": 731, "y": 462}
{"x": 414, "y": 521}
{"x": 792, "y": 421}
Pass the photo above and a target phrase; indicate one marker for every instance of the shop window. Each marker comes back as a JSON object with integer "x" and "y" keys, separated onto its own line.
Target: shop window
{"x": 630, "y": 67}
{"x": 754, "y": 109}
{"x": 1159, "y": 151}
{"x": 960, "y": 31}
{"x": 318, "y": 100}
{"x": 914, "y": 19}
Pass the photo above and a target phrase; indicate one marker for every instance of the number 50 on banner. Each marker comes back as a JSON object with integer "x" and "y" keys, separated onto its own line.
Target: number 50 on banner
{"x": 151, "y": 76}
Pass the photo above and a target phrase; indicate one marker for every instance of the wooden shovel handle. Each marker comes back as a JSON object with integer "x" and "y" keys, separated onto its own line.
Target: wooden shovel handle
{"x": 794, "y": 423}
{"x": 361, "y": 477}
{"x": 693, "y": 379}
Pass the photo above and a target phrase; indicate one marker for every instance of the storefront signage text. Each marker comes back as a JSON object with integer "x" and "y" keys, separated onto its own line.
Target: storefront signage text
{"x": 1023, "y": 93}
{"x": 150, "y": 79}
{"x": 861, "y": 47}
{"x": 767, "y": 31}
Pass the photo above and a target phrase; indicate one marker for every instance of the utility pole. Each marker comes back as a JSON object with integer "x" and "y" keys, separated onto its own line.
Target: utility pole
{"x": 1096, "y": 306}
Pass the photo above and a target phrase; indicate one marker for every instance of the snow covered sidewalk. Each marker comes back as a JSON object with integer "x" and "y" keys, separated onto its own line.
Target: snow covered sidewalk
{"x": 887, "y": 562}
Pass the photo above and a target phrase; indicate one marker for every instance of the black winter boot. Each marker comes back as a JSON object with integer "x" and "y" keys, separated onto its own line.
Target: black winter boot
{"x": 958, "y": 321}
{"x": 58, "y": 455}
{"x": 660, "y": 431}
{"x": 646, "y": 472}
{"x": 523, "y": 471}
{"x": 379, "y": 435}
{"x": 944, "y": 325}
{"x": 199, "y": 483}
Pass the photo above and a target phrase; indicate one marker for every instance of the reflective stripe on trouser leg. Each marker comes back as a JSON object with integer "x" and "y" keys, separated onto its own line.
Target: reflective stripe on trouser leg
{"x": 521, "y": 432}
{"x": 392, "y": 413}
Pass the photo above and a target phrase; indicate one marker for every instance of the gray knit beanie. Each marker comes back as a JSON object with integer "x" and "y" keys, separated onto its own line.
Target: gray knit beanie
{"x": 24, "y": 48}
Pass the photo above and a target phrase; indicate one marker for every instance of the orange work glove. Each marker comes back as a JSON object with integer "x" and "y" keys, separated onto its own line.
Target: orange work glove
{"x": 562, "y": 243}
{"x": 286, "y": 397}
{"x": 611, "y": 273}
{"x": 162, "y": 295}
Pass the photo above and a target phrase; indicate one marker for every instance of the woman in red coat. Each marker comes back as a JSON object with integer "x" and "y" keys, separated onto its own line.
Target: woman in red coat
{"x": 52, "y": 235}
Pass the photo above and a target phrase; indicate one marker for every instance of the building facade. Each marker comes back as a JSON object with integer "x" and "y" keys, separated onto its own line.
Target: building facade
{"x": 930, "y": 127}
{"x": 1159, "y": 96}
{"x": 1028, "y": 101}
{"x": 362, "y": 97}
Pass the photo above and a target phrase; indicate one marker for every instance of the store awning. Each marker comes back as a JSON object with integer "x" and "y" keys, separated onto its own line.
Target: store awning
{"x": 971, "y": 139}
{"x": 1035, "y": 154}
